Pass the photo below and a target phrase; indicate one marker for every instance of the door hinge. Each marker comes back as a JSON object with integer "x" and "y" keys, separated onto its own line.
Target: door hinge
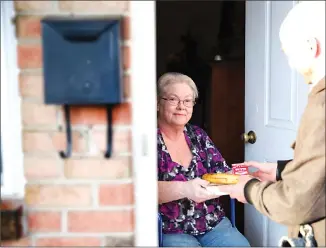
{"x": 14, "y": 20}
{"x": 144, "y": 145}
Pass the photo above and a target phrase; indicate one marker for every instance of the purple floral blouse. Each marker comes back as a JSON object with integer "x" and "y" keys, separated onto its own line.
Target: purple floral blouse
{"x": 185, "y": 215}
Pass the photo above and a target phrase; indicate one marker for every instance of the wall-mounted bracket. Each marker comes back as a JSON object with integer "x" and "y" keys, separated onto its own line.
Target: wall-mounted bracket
{"x": 109, "y": 132}
{"x": 68, "y": 151}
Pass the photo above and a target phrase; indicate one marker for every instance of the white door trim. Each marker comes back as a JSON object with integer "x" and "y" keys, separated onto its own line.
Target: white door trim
{"x": 144, "y": 144}
{"x": 11, "y": 123}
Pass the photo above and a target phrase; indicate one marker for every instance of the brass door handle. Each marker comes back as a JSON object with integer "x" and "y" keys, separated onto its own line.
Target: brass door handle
{"x": 249, "y": 137}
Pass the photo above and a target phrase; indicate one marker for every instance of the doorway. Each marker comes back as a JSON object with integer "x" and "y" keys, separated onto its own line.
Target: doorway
{"x": 206, "y": 41}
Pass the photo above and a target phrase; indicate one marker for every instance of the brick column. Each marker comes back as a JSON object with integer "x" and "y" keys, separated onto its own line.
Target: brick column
{"x": 86, "y": 199}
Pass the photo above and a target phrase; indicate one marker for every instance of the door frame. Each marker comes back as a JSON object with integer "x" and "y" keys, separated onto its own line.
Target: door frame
{"x": 144, "y": 134}
{"x": 144, "y": 123}
{"x": 11, "y": 120}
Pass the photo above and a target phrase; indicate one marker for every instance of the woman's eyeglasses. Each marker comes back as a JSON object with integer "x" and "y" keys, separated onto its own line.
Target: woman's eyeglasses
{"x": 176, "y": 101}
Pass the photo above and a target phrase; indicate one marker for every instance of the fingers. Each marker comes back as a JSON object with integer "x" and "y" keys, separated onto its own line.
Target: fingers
{"x": 225, "y": 188}
{"x": 261, "y": 176}
{"x": 254, "y": 164}
{"x": 258, "y": 174}
{"x": 204, "y": 193}
{"x": 202, "y": 182}
{"x": 254, "y": 174}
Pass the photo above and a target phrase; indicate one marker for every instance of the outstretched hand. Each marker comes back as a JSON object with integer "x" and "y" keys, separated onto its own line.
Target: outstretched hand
{"x": 265, "y": 172}
{"x": 237, "y": 190}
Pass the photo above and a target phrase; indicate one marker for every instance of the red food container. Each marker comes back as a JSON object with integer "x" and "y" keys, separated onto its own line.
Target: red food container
{"x": 240, "y": 169}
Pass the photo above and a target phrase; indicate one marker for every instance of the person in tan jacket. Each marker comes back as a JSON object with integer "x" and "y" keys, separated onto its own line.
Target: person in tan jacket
{"x": 292, "y": 192}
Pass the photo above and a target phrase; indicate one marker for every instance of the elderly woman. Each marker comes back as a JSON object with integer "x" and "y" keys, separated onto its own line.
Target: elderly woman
{"x": 191, "y": 215}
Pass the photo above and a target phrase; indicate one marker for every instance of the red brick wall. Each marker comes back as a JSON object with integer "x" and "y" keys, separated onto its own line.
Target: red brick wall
{"x": 86, "y": 199}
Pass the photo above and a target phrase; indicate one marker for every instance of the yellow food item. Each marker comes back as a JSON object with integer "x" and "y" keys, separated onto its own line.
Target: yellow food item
{"x": 221, "y": 178}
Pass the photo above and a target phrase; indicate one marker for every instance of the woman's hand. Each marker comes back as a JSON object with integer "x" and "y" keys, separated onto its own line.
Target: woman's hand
{"x": 196, "y": 190}
{"x": 266, "y": 171}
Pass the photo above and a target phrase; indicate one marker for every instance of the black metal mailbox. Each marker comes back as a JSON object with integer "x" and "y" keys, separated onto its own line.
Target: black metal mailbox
{"x": 82, "y": 66}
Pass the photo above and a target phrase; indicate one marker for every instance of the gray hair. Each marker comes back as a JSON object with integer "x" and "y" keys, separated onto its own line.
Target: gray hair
{"x": 172, "y": 78}
{"x": 304, "y": 21}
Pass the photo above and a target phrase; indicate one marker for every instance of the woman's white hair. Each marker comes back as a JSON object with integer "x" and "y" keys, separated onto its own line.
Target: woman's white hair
{"x": 304, "y": 21}
{"x": 170, "y": 78}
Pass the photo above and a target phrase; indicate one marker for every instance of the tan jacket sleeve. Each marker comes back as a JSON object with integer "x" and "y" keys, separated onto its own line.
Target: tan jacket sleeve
{"x": 300, "y": 196}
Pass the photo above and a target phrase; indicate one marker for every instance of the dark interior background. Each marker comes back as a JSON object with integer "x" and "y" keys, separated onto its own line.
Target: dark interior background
{"x": 190, "y": 34}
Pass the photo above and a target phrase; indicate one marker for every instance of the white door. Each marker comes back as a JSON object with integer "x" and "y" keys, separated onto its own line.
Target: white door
{"x": 275, "y": 97}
